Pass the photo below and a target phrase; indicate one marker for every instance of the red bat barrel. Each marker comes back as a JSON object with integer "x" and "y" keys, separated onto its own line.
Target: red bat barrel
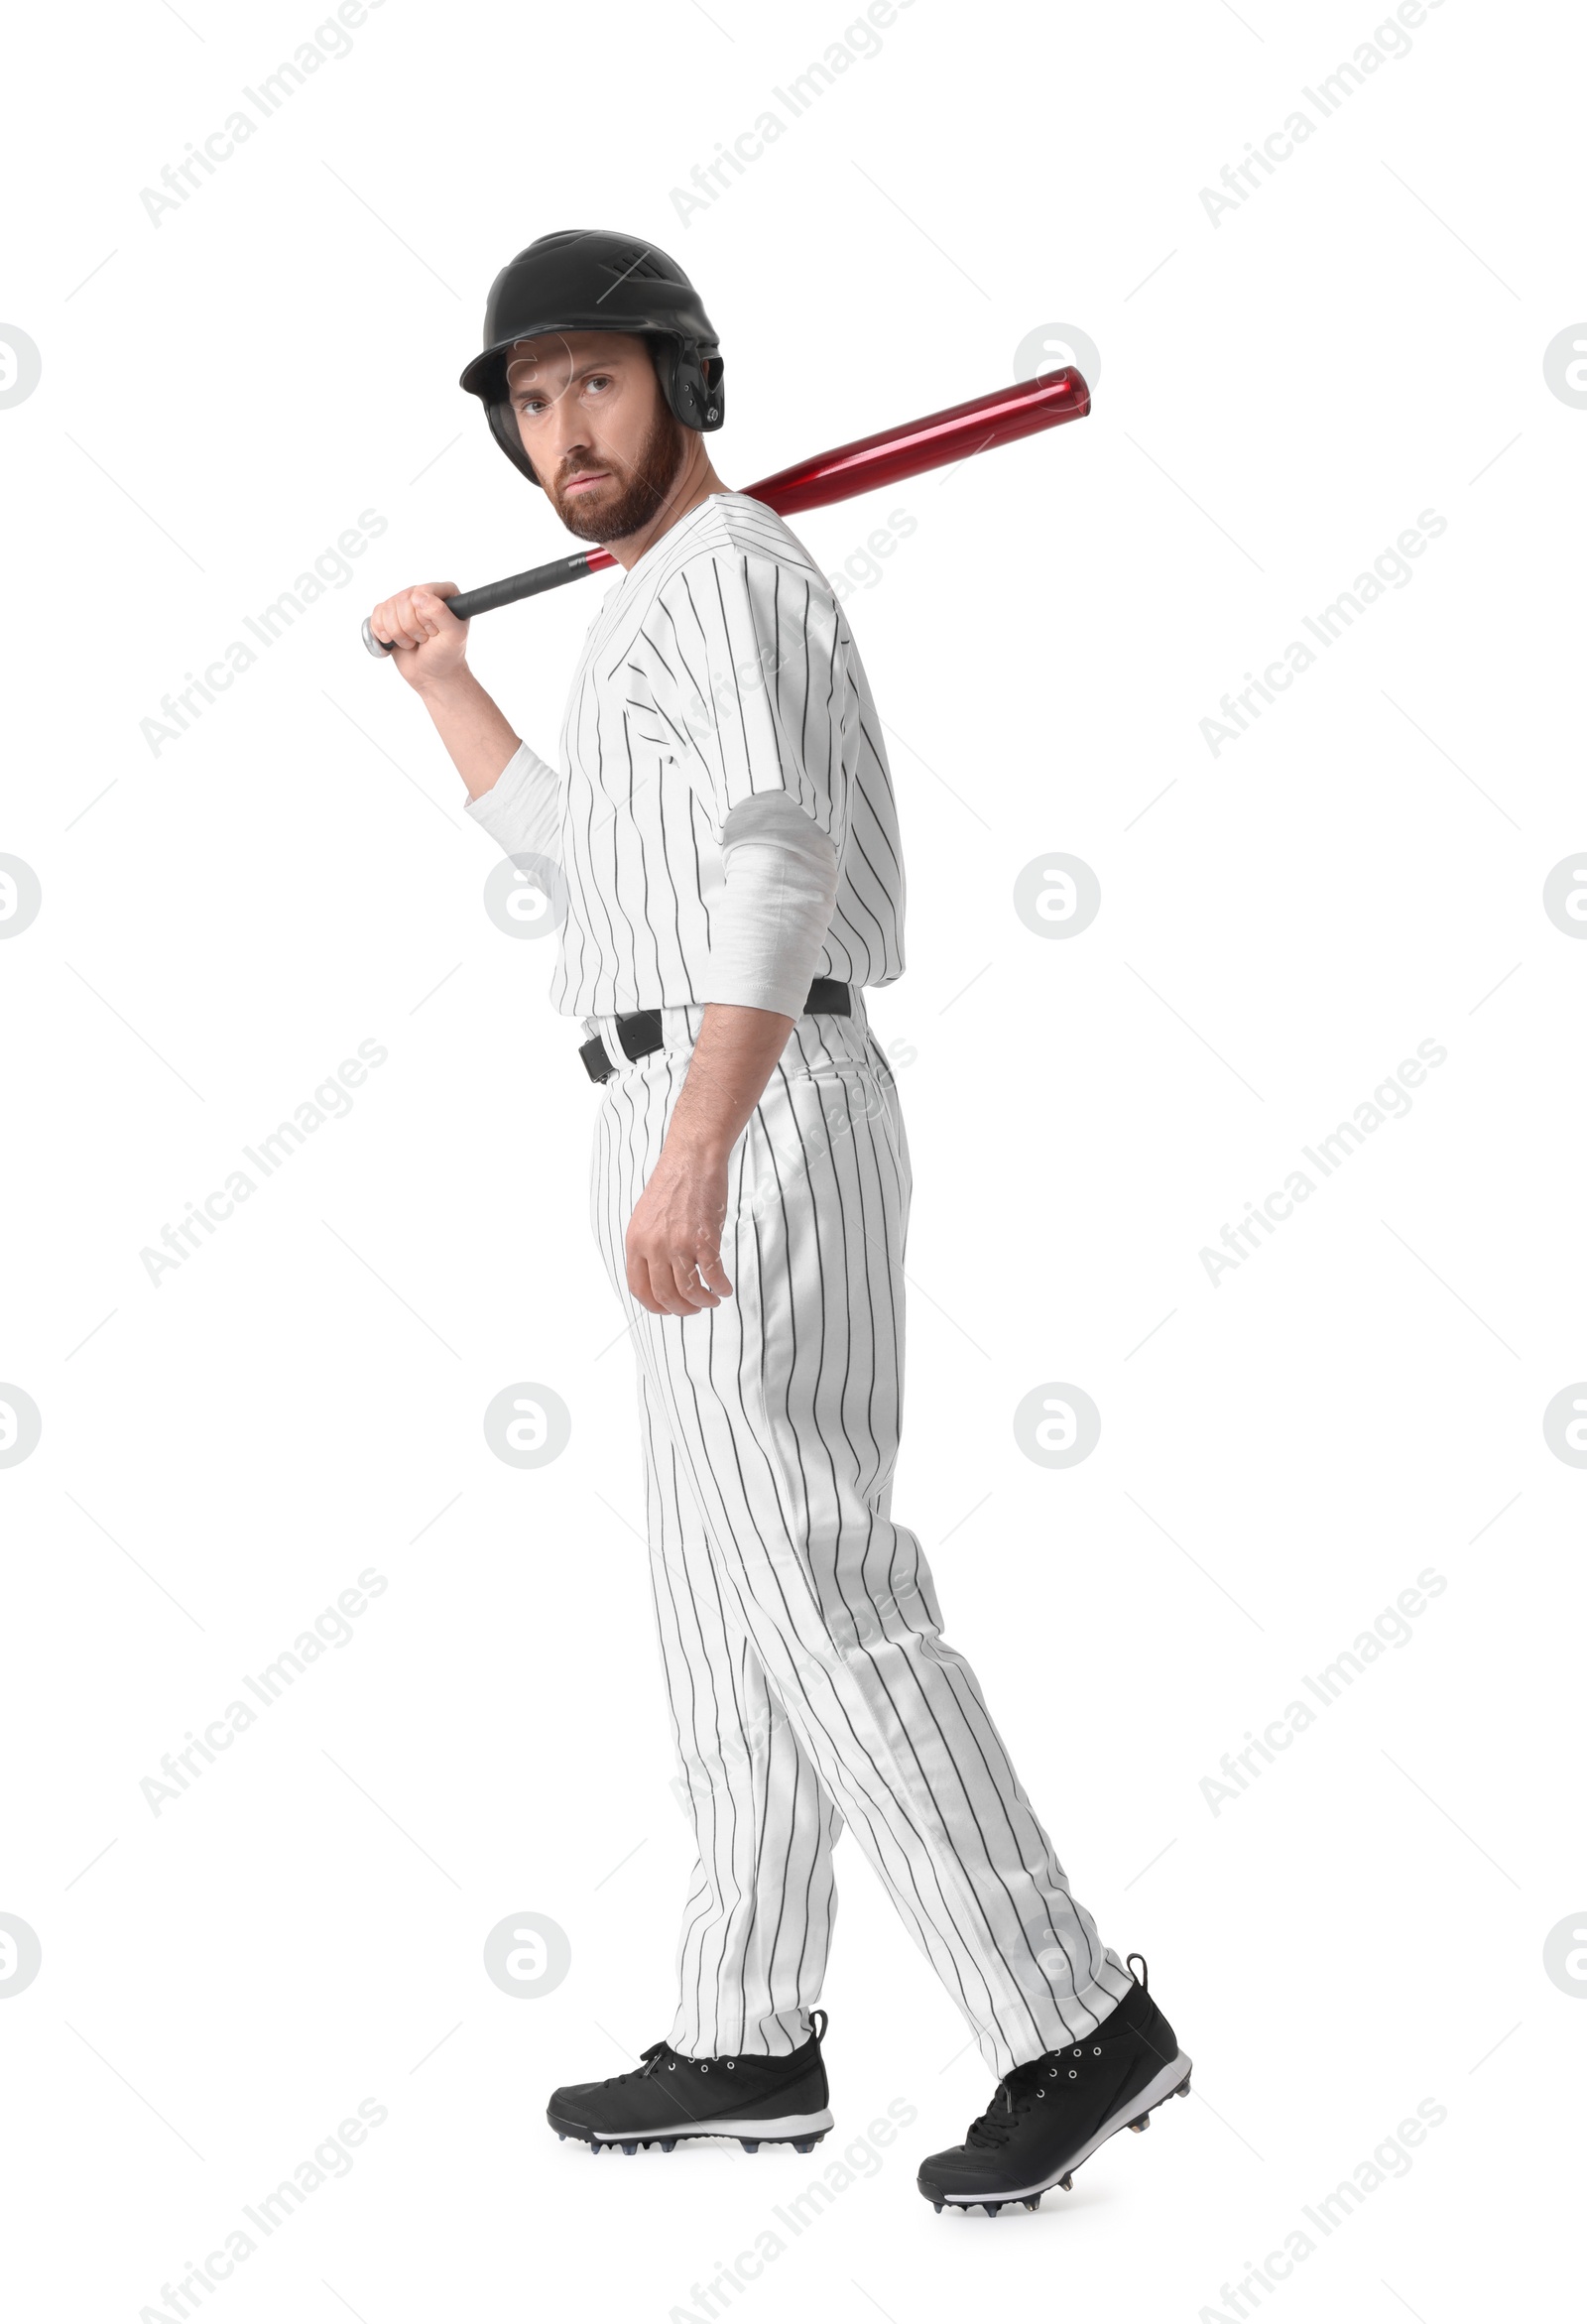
{"x": 933, "y": 442}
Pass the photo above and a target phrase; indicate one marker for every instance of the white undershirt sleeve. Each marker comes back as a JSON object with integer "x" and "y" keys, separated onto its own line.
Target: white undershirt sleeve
{"x": 780, "y": 885}
{"x": 520, "y": 808}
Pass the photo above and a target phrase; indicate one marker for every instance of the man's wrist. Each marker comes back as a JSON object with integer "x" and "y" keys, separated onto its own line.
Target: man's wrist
{"x": 451, "y": 690}
{"x": 700, "y": 1145}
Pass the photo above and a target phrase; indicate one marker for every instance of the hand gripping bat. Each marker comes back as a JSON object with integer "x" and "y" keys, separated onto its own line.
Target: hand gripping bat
{"x": 908, "y": 451}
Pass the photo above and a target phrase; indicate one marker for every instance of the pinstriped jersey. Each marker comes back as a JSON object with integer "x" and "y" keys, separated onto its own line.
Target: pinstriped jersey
{"x": 718, "y": 668}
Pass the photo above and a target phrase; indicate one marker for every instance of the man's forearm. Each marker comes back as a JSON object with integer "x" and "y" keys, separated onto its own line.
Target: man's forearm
{"x": 730, "y": 1067}
{"x": 478, "y": 739}
{"x": 674, "y": 1245}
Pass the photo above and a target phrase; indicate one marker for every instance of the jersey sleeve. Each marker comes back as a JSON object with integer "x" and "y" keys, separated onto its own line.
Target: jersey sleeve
{"x": 749, "y": 668}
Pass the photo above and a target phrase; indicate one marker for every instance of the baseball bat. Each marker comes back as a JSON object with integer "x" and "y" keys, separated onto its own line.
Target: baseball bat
{"x": 863, "y": 466}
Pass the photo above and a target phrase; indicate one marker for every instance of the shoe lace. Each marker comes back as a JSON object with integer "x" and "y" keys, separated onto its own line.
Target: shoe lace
{"x": 1013, "y": 2095}
{"x": 661, "y": 2053}
{"x": 650, "y": 2059}
{"x": 1027, "y": 2084}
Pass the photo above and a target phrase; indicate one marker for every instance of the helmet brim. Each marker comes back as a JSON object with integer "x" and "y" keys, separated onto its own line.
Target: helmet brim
{"x": 486, "y": 375}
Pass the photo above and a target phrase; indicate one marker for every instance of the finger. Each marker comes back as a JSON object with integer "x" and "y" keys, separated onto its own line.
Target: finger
{"x": 401, "y": 620}
{"x": 713, "y": 1273}
{"x": 663, "y": 1282}
{"x": 668, "y": 1289}
{"x": 652, "y": 1283}
{"x": 638, "y": 1282}
{"x": 685, "y": 1281}
{"x": 431, "y": 605}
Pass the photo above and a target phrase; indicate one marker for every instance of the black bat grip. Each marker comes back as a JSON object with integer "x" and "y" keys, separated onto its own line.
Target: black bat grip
{"x": 533, "y": 583}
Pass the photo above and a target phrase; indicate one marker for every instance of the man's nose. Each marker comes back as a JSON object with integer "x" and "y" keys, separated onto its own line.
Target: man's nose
{"x": 569, "y": 434}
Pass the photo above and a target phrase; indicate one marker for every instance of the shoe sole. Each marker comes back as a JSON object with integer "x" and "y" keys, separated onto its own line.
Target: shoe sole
{"x": 1173, "y": 2081}
{"x": 799, "y": 2131}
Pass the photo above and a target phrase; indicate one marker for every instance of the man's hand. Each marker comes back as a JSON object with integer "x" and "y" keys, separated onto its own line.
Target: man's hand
{"x": 673, "y": 1244}
{"x": 431, "y": 650}
{"x": 674, "y": 1237}
{"x": 427, "y": 644}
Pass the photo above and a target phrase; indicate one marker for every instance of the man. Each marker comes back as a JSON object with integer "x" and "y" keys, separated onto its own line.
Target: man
{"x": 723, "y": 841}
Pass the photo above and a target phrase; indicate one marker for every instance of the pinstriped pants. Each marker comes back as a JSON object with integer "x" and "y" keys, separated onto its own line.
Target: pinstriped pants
{"x": 800, "y": 1636}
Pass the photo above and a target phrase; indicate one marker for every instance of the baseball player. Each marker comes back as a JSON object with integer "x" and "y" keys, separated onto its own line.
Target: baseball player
{"x": 720, "y": 837}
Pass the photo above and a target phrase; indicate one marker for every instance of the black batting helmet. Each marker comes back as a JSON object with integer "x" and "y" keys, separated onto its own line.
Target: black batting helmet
{"x": 591, "y": 280}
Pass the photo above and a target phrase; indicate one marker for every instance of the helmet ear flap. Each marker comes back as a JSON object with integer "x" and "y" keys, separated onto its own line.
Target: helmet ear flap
{"x": 504, "y": 428}
{"x": 691, "y": 384}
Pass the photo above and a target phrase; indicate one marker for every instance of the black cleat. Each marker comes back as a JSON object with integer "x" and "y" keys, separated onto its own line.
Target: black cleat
{"x": 1050, "y": 2115}
{"x": 759, "y": 2101}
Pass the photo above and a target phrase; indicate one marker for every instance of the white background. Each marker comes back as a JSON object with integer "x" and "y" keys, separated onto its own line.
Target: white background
{"x": 1282, "y": 393}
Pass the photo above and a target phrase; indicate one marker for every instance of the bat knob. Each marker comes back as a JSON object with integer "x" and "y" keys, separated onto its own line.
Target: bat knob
{"x": 374, "y": 645}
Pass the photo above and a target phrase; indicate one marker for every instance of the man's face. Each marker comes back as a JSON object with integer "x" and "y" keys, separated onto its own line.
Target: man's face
{"x": 595, "y": 429}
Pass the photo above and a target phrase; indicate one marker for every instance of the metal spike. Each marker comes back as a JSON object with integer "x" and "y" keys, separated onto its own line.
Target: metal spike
{"x": 936, "y": 2207}
{"x": 1067, "y": 2182}
{"x": 1145, "y": 2122}
{"x": 804, "y": 2145}
{"x": 991, "y": 2209}
{"x": 630, "y": 2145}
{"x": 1033, "y": 2202}
{"x": 668, "y": 2144}
{"x": 750, "y": 2145}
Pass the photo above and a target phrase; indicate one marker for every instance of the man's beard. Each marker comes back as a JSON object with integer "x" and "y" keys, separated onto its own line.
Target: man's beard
{"x": 639, "y": 499}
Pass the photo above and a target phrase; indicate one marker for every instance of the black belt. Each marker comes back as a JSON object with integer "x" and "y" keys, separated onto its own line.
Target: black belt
{"x": 640, "y": 1034}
